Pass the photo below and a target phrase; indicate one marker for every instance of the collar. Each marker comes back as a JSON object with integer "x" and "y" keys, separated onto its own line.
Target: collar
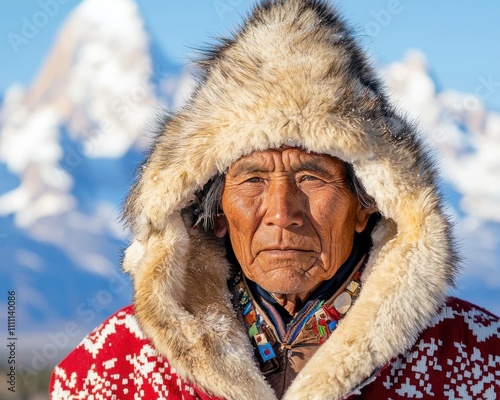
{"x": 325, "y": 291}
{"x": 315, "y": 322}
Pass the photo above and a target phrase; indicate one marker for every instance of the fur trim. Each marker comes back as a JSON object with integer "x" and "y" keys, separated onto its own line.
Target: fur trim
{"x": 293, "y": 75}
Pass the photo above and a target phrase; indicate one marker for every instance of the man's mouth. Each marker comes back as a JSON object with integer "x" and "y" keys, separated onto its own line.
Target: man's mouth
{"x": 284, "y": 250}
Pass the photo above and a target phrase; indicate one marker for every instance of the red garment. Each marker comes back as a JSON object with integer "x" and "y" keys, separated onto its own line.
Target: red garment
{"x": 457, "y": 357}
{"x": 116, "y": 361}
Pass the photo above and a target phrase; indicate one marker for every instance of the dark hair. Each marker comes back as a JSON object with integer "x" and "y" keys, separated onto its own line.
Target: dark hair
{"x": 209, "y": 202}
{"x": 358, "y": 188}
{"x": 210, "y": 197}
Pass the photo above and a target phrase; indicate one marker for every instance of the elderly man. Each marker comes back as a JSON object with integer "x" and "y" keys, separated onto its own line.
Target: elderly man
{"x": 289, "y": 240}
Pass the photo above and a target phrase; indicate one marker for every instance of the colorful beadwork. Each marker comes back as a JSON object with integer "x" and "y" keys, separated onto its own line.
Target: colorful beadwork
{"x": 322, "y": 318}
{"x": 326, "y": 318}
{"x": 256, "y": 325}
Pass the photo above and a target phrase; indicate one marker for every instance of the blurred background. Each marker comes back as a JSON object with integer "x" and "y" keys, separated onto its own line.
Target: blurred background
{"x": 80, "y": 86}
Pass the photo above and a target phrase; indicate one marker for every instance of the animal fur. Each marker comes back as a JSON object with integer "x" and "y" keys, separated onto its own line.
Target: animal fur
{"x": 293, "y": 75}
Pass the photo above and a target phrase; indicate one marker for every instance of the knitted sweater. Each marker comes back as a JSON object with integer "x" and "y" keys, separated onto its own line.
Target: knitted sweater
{"x": 456, "y": 357}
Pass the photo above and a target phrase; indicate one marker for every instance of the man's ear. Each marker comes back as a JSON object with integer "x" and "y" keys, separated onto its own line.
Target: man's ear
{"x": 362, "y": 217}
{"x": 220, "y": 225}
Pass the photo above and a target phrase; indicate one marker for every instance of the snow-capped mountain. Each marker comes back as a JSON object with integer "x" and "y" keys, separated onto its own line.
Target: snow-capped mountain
{"x": 69, "y": 144}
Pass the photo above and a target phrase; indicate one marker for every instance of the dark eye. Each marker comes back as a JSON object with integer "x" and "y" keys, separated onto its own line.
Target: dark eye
{"x": 305, "y": 178}
{"x": 254, "y": 179}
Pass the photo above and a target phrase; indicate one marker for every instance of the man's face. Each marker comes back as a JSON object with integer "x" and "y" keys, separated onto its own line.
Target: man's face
{"x": 291, "y": 218}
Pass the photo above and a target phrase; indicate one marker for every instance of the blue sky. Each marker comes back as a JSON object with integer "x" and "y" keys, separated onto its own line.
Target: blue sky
{"x": 460, "y": 39}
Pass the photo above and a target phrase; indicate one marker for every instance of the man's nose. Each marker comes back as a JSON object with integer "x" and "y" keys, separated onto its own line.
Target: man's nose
{"x": 284, "y": 205}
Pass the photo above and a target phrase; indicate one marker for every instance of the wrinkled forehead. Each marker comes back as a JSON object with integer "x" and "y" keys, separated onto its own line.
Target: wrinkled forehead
{"x": 285, "y": 158}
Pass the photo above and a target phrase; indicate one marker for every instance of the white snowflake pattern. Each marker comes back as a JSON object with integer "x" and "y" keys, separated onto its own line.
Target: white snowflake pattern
{"x": 469, "y": 373}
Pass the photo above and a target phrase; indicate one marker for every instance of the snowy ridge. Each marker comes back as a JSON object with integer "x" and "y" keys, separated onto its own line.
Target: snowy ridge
{"x": 95, "y": 84}
{"x": 69, "y": 144}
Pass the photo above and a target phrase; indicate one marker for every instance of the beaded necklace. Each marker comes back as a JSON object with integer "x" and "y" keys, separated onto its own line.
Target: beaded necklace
{"x": 317, "y": 315}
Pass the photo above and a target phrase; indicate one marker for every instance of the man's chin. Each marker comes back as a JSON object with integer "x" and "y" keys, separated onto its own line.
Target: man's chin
{"x": 286, "y": 281}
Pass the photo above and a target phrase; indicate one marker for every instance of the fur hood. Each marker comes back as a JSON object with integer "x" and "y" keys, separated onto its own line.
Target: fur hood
{"x": 292, "y": 75}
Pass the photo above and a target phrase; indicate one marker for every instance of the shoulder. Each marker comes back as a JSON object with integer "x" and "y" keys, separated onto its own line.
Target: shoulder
{"x": 463, "y": 335}
{"x": 117, "y": 337}
{"x": 116, "y": 359}
{"x": 457, "y": 356}
{"x": 462, "y": 321}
